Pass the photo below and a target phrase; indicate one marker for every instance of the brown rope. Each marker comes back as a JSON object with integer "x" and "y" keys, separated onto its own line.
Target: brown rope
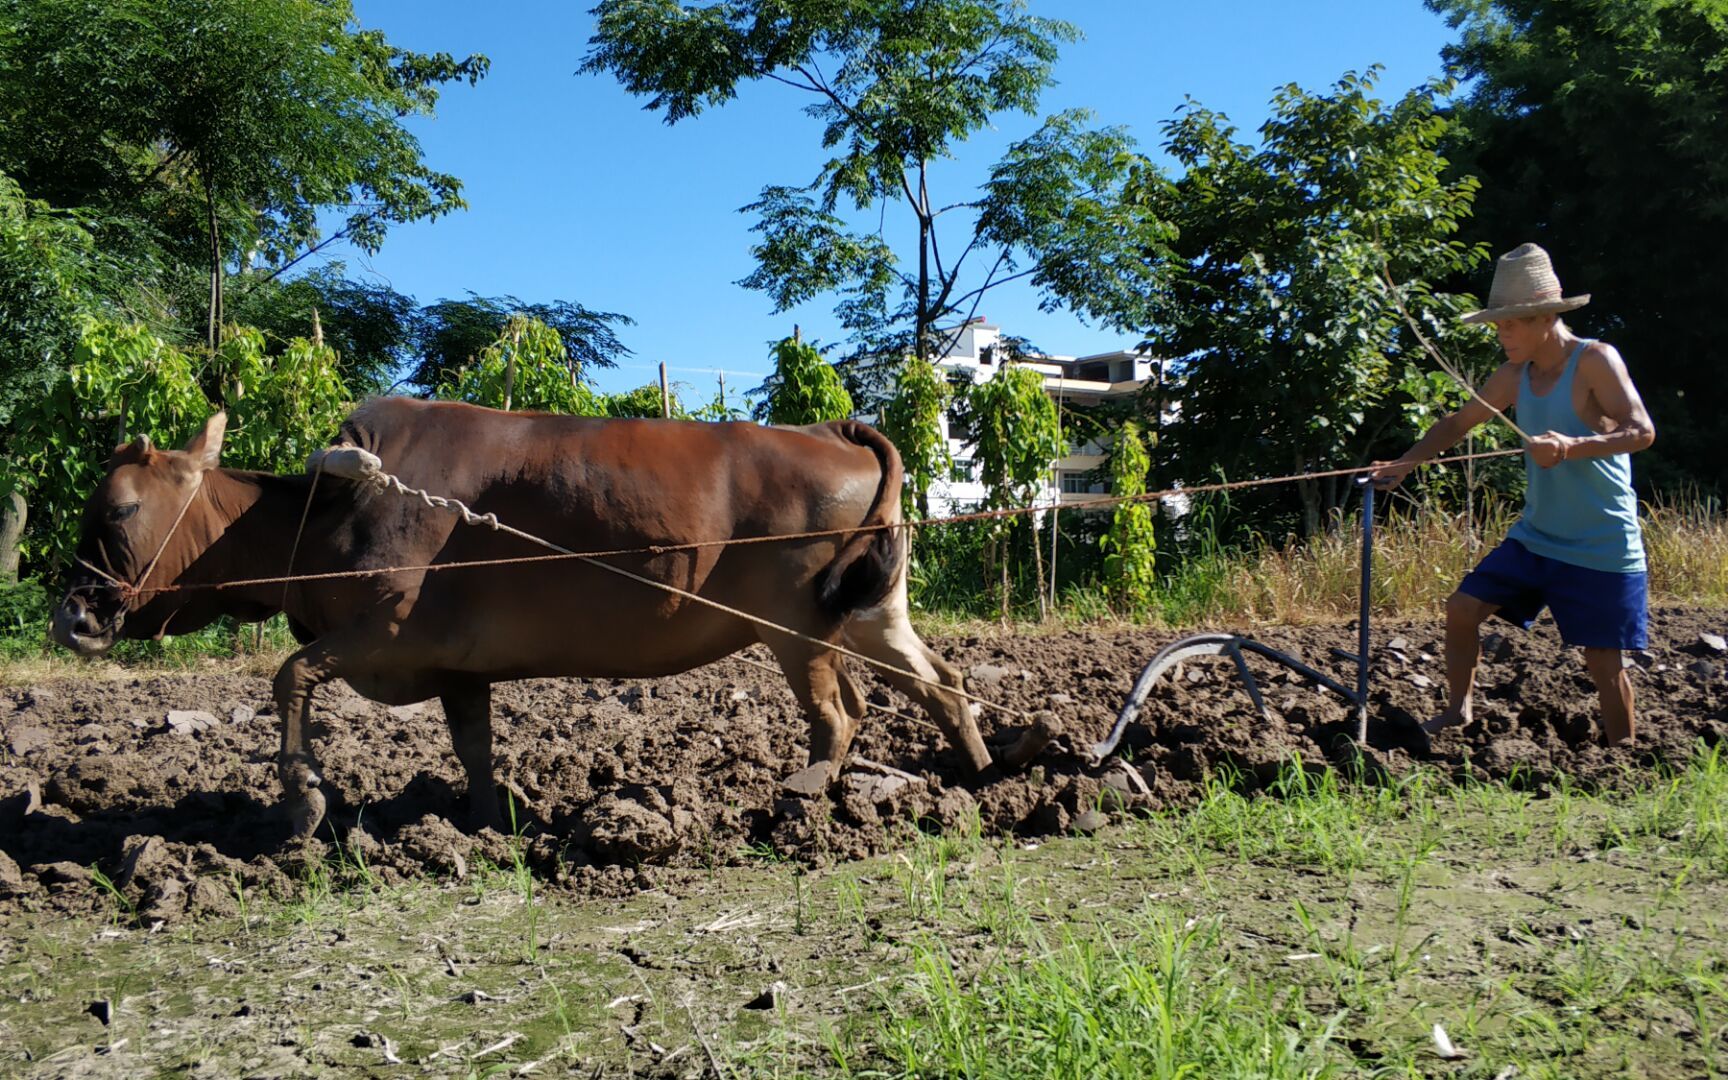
{"x": 664, "y": 549}
{"x": 883, "y": 709}
{"x": 305, "y": 512}
{"x": 144, "y": 578}
{"x": 1434, "y": 351}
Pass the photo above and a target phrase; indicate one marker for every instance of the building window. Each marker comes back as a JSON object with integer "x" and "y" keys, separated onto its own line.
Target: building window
{"x": 1075, "y": 483}
{"x": 987, "y": 355}
{"x": 965, "y": 471}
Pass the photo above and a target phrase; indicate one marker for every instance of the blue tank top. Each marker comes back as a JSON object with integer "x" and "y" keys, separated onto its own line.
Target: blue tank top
{"x": 1581, "y": 511}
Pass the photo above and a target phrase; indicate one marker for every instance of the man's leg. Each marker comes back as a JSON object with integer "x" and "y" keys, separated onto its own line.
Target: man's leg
{"x": 1464, "y": 617}
{"x": 1614, "y": 687}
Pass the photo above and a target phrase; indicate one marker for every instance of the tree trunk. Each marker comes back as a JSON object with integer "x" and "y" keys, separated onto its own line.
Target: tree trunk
{"x": 1038, "y": 567}
{"x": 13, "y": 512}
{"x": 215, "y": 265}
{"x": 1055, "y": 532}
{"x": 925, "y": 225}
{"x": 1309, "y": 490}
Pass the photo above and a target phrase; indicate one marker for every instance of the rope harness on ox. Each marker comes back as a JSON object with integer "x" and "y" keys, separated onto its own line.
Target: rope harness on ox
{"x": 356, "y": 464}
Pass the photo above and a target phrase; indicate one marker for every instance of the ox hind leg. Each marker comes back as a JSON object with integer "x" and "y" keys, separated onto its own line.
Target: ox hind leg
{"x": 885, "y": 633}
{"x": 468, "y": 711}
{"x": 819, "y": 683}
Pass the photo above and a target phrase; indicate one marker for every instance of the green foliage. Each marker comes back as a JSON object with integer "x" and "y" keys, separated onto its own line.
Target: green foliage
{"x": 1590, "y": 104}
{"x": 1273, "y": 291}
{"x": 1129, "y": 573}
{"x": 228, "y": 124}
{"x": 898, "y": 87}
{"x": 1017, "y": 434}
{"x": 371, "y": 328}
{"x": 643, "y": 402}
{"x": 281, "y": 407}
{"x": 912, "y": 420}
{"x": 50, "y": 272}
{"x": 450, "y": 333}
{"x": 719, "y": 409}
{"x": 124, "y": 382}
{"x": 527, "y": 368}
{"x": 804, "y": 389}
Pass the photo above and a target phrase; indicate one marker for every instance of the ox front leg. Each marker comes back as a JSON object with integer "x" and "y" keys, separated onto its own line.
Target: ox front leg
{"x": 469, "y": 713}
{"x": 302, "y": 784}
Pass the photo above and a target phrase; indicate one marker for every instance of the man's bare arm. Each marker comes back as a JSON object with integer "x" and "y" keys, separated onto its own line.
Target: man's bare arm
{"x": 1603, "y": 376}
{"x": 1500, "y": 391}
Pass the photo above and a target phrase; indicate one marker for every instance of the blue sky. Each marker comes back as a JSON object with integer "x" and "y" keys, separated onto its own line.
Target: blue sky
{"x": 578, "y": 194}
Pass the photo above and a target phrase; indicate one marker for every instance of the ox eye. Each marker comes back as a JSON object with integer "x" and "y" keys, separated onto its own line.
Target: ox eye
{"x": 121, "y": 513}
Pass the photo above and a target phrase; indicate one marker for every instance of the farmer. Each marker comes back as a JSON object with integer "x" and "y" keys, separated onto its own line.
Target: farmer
{"x": 1577, "y": 548}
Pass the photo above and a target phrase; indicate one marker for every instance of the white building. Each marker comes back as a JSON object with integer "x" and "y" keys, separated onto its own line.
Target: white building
{"x": 1074, "y": 382}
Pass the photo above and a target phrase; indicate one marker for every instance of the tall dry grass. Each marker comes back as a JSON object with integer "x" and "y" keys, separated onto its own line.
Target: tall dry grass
{"x": 1420, "y": 555}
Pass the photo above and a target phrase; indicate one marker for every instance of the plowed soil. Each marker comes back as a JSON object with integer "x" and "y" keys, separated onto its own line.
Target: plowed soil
{"x": 618, "y": 785}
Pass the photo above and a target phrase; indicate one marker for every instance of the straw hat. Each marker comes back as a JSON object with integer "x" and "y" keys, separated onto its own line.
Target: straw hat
{"x": 1524, "y": 284}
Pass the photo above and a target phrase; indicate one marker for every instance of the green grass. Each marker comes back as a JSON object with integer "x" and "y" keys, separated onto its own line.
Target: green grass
{"x": 1320, "y": 929}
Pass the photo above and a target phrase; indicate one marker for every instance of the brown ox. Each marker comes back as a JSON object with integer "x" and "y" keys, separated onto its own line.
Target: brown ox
{"x": 410, "y": 635}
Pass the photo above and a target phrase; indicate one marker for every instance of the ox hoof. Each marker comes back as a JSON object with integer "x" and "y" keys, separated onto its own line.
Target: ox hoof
{"x": 1045, "y": 728}
{"x": 810, "y": 781}
{"x": 307, "y": 812}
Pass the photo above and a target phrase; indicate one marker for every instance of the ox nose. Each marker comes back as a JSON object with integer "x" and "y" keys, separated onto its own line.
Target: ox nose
{"x": 81, "y": 617}
{"x": 77, "y": 624}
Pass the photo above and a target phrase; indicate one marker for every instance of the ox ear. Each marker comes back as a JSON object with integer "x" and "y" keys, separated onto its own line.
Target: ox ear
{"x": 205, "y": 448}
{"x": 130, "y": 453}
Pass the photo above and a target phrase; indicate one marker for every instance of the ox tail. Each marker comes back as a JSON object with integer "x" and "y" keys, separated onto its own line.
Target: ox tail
{"x": 870, "y": 562}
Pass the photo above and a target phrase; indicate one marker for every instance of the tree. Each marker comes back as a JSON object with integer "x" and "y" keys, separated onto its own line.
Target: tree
{"x": 450, "y": 333}
{"x": 804, "y": 389}
{"x": 1017, "y": 434}
{"x": 1131, "y": 544}
{"x": 644, "y": 402}
{"x": 371, "y": 328}
{"x": 897, "y": 85}
{"x": 52, "y": 273}
{"x": 126, "y": 382}
{"x": 912, "y": 420}
{"x": 1275, "y": 296}
{"x": 281, "y": 406}
{"x": 231, "y": 124}
{"x": 527, "y": 367}
{"x": 1599, "y": 129}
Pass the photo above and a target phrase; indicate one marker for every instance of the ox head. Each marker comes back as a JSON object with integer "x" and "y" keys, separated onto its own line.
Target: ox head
{"x": 134, "y": 519}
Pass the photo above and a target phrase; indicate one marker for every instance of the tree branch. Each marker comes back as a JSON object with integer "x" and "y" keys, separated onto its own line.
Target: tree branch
{"x": 988, "y": 284}
{"x": 161, "y": 168}
{"x": 304, "y": 255}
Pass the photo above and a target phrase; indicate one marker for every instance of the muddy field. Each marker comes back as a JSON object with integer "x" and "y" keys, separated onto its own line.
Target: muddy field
{"x": 167, "y": 783}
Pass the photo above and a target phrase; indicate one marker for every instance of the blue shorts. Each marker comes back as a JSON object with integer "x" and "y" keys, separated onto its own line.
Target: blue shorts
{"x": 1595, "y": 609}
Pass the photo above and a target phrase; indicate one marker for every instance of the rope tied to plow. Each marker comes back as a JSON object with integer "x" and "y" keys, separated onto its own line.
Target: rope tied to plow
{"x": 390, "y": 483}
